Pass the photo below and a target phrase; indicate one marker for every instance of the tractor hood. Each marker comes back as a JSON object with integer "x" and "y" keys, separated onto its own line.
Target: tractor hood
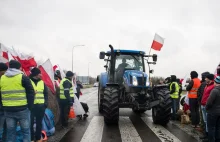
{"x": 128, "y": 75}
{"x": 134, "y": 73}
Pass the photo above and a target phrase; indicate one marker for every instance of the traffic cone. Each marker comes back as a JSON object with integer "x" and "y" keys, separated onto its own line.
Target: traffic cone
{"x": 72, "y": 113}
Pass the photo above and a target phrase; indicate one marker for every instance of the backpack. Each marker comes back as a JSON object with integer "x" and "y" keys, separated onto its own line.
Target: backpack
{"x": 48, "y": 124}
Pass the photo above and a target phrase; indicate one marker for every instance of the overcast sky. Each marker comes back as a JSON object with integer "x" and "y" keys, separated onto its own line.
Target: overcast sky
{"x": 50, "y": 28}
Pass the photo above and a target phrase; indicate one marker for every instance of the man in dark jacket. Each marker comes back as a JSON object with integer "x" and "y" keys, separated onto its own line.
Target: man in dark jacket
{"x": 40, "y": 103}
{"x": 213, "y": 110}
{"x": 174, "y": 94}
{"x": 66, "y": 97}
{"x": 200, "y": 94}
{"x": 3, "y": 68}
{"x": 21, "y": 89}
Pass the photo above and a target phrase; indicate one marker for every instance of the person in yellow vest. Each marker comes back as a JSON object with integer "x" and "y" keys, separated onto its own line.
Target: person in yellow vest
{"x": 3, "y": 69}
{"x": 17, "y": 100}
{"x": 40, "y": 103}
{"x": 174, "y": 94}
{"x": 192, "y": 89}
{"x": 66, "y": 97}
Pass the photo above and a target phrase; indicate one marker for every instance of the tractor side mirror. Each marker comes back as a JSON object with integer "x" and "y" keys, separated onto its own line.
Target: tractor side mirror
{"x": 102, "y": 55}
{"x": 154, "y": 57}
{"x": 152, "y": 71}
{"x": 97, "y": 79}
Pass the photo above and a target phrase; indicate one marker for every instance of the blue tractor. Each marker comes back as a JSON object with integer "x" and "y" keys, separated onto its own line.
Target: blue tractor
{"x": 125, "y": 85}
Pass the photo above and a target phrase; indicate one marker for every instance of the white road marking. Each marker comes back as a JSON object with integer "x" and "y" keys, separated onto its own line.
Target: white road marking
{"x": 94, "y": 131}
{"x": 128, "y": 131}
{"x": 162, "y": 133}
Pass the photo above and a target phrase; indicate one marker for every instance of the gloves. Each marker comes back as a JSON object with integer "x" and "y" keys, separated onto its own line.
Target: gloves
{"x": 45, "y": 105}
{"x": 70, "y": 104}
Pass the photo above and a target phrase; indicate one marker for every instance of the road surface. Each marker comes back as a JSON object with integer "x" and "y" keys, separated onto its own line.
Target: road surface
{"x": 131, "y": 127}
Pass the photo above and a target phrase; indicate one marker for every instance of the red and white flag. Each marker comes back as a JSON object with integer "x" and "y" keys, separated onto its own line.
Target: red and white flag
{"x": 157, "y": 42}
{"x": 48, "y": 75}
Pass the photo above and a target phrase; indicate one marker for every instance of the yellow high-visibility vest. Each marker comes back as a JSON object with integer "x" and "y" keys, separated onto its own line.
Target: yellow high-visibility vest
{"x": 12, "y": 91}
{"x": 39, "y": 89}
{"x": 62, "y": 96}
{"x": 175, "y": 95}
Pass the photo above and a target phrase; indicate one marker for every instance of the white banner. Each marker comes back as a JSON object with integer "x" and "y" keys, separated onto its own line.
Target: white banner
{"x": 78, "y": 107}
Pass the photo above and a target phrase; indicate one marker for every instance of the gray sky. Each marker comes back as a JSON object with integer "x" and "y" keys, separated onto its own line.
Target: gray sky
{"x": 50, "y": 28}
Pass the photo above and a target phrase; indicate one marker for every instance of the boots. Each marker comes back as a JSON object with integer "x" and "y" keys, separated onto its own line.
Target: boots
{"x": 205, "y": 136}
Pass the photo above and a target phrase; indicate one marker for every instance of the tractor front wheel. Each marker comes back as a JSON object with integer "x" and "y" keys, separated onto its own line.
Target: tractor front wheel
{"x": 161, "y": 113}
{"x": 110, "y": 105}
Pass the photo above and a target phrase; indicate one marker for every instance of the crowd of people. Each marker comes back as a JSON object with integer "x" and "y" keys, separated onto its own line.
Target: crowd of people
{"x": 23, "y": 100}
{"x": 203, "y": 101}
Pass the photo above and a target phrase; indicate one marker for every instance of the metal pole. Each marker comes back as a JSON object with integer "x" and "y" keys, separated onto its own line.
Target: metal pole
{"x": 88, "y": 71}
{"x": 72, "y": 54}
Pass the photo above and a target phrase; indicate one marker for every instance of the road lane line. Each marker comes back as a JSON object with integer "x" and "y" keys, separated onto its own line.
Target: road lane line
{"x": 94, "y": 131}
{"x": 128, "y": 131}
{"x": 162, "y": 133}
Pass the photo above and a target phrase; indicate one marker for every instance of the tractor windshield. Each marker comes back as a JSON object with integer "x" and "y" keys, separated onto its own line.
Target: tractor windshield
{"x": 126, "y": 62}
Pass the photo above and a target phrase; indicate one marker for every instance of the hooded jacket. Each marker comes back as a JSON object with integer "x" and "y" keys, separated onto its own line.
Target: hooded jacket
{"x": 213, "y": 102}
{"x": 26, "y": 83}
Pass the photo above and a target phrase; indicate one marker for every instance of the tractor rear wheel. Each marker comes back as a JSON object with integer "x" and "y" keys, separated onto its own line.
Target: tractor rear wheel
{"x": 110, "y": 105}
{"x": 100, "y": 99}
{"x": 161, "y": 113}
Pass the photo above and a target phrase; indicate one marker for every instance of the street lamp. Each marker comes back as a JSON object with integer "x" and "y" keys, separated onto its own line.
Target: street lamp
{"x": 88, "y": 70}
{"x": 72, "y": 54}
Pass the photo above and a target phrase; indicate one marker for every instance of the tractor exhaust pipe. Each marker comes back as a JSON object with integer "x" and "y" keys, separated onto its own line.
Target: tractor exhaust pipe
{"x": 112, "y": 67}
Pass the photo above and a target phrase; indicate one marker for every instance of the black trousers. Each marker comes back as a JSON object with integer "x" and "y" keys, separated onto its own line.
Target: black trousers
{"x": 38, "y": 113}
{"x": 64, "y": 112}
{"x": 194, "y": 108}
{"x": 213, "y": 122}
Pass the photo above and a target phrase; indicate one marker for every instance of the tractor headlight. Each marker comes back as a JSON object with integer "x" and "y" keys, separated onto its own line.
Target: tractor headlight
{"x": 135, "y": 82}
{"x": 147, "y": 83}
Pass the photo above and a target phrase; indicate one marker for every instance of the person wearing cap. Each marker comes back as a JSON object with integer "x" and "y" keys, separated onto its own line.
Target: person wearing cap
{"x": 213, "y": 112}
{"x": 192, "y": 89}
{"x": 17, "y": 100}
{"x": 3, "y": 68}
{"x": 66, "y": 97}
{"x": 40, "y": 103}
{"x": 174, "y": 94}
{"x": 209, "y": 87}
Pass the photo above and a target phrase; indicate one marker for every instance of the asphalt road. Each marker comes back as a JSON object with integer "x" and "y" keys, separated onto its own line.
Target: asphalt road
{"x": 131, "y": 127}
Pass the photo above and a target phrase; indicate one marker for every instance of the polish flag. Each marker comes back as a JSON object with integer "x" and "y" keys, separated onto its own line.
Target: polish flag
{"x": 157, "y": 42}
{"x": 48, "y": 75}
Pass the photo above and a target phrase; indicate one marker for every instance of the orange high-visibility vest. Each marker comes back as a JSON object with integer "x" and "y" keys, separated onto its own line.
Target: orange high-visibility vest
{"x": 193, "y": 92}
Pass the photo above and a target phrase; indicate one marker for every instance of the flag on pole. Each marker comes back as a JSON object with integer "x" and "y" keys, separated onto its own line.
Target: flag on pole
{"x": 157, "y": 42}
{"x": 48, "y": 74}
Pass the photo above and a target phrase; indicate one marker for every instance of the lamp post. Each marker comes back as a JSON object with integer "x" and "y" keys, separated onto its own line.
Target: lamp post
{"x": 72, "y": 54}
{"x": 88, "y": 71}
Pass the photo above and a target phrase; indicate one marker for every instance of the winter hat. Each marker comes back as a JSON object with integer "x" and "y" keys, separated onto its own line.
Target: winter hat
{"x": 69, "y": 74}
{"x": 35, "y": 71}
{"x": 3, "y": 67}
{"x": 194, "y": 74}
{"x": 217, "y": 80}
{"x": 210, "y": 76}
{"x": 204, "y": 74}
{"x": 14, "y": 64}
{"x": 173, "y": 78}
